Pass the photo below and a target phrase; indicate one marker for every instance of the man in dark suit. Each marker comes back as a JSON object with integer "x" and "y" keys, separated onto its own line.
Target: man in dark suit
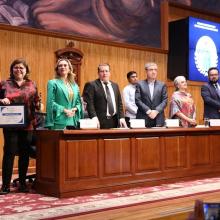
{"x": 103, "y": 98}
{"x": 151, "y": 98}
{"x": 211, "y": 95}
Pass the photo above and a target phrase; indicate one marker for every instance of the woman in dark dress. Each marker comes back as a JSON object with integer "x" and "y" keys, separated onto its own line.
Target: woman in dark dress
{"x": 18, "y": 89}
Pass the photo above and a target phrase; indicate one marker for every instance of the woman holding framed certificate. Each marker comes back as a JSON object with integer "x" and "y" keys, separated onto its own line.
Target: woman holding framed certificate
{"x": 18, "y": 90}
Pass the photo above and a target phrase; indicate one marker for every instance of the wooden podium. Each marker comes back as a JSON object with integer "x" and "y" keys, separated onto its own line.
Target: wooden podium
{"x": 82, "y": 162}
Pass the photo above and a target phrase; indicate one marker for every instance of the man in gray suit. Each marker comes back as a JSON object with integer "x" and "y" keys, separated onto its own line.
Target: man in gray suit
{"x": 151, "y": 98}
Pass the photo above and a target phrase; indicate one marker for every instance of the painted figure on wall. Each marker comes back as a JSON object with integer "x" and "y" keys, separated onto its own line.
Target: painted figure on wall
{"x": 129, "y": 21}
{"x": 119, "y": 21}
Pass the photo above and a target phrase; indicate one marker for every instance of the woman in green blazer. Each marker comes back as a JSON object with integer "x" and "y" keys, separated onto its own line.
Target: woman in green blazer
{"x": 64, "y": 107}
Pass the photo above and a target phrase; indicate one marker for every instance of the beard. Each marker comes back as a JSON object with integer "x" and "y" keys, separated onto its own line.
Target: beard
{"x": 213, "y": 81}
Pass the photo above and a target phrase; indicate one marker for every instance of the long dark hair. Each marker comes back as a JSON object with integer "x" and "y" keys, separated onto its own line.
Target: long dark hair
{"x": 19, "y": 61}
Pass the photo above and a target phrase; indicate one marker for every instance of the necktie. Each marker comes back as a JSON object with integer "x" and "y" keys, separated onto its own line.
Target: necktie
{"x": 109, "y": 100}
{"x": 217, "y": 89}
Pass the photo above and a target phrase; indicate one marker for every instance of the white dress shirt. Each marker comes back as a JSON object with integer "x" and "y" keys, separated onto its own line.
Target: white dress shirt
{"x": 151, "y": 88}
{"x": 129, "y": 101}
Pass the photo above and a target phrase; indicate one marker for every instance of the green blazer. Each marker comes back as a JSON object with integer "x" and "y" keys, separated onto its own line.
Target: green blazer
{"x": 57, "y": 100}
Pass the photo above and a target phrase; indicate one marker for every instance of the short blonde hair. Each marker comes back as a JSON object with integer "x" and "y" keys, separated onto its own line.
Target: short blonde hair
{"x": 71, "y": 75}
{"x": 177, "y": 80}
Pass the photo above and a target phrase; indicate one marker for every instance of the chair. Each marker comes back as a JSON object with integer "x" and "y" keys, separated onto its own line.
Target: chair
{"x": 32, "y": 154}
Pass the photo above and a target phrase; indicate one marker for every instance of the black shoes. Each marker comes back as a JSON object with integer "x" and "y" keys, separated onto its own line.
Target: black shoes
{"x": 23, "y": 188}
{"x": 4, "y": 190}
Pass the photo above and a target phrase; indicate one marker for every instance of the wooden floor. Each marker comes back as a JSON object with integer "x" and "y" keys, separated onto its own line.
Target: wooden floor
{"x": 175, "y": 209}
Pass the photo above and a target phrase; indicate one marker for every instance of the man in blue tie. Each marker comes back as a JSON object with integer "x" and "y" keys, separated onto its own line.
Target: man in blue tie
{"x": 211, "y": 95}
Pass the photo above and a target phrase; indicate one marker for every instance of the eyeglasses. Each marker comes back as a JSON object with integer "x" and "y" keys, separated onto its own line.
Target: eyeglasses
{"x": 18, "y": 67}
{"x": 151, "y": 69}
{"x": 104, "y": 71}
{"x": 213, "y": 74}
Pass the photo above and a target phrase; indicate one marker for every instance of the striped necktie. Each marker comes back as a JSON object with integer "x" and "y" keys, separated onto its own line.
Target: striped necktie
{"x": 109, "y": 99}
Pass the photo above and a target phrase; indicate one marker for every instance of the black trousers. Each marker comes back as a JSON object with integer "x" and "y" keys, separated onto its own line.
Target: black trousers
{"x": 151, "y": 123}
{"x": 16, "y": 142}
{"x": 109, "y": 122}
{"x": 127, "y": 119}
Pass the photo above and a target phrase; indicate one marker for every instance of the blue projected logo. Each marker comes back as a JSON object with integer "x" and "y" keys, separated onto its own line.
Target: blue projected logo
{"x": 204, "y": 45}
{"x": 205, "y": 54}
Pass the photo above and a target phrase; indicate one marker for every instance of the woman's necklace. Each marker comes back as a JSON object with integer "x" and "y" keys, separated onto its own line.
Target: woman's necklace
{"x": 70, "y": 91}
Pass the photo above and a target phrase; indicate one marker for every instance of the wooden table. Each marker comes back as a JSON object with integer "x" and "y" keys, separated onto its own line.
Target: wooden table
{"x": 81, "y": 162}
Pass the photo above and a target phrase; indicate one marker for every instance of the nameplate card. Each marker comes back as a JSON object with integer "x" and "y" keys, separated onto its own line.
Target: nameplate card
{"x": 88, "y": 123}
{"x": 172, "y": 123}
{"x": 214, "y": 122}
{"x": 137, "y": 123}
{"x": 12, "y": 116}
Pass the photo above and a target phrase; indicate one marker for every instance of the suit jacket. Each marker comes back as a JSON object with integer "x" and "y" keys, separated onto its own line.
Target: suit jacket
{"x": 211, "y": 101}
{"x": 57, "y": 100}
{"x": 94, "y": 96}
{"x": 144, "y": 102}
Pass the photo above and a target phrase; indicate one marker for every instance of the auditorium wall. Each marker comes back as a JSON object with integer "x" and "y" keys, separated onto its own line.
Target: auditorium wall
{"x": 38, "y": 49}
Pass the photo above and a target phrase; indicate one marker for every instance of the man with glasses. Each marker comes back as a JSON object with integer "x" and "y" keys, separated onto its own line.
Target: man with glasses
{"x": 151, "y": 98}
{"x": 211, "y": 95}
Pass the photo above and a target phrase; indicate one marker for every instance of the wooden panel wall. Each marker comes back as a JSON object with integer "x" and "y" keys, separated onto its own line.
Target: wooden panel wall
{"x": 177, "y": 11}
{"x": 39, "y": 50}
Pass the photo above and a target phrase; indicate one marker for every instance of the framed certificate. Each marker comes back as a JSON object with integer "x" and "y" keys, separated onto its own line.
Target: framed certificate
{"x": 12, "y": 115}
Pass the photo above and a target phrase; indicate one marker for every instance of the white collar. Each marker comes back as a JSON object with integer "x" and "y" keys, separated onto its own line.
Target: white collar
{"x": 103, "y": 83}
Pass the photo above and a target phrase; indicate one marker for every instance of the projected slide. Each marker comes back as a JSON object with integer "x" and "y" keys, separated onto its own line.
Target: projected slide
{"x": 204, "y": 46}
